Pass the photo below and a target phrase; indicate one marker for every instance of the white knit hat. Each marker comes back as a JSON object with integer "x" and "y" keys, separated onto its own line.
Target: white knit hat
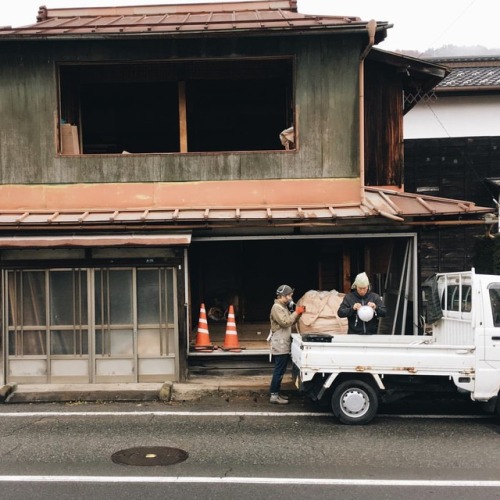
{"x": 361, "y": 280}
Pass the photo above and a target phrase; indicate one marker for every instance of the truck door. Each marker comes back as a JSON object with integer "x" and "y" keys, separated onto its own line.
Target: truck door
{"x": 492, "y": 326}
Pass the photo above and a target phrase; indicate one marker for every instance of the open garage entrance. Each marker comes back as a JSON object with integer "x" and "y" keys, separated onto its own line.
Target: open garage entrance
{"x": 245, "y": 273}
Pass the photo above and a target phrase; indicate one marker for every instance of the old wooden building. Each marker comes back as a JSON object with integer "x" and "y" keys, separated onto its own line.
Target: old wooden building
{"x": 157, "y": 158}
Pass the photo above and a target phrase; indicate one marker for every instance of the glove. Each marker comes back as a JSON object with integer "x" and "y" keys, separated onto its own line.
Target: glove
{"x": 300, "y": 309}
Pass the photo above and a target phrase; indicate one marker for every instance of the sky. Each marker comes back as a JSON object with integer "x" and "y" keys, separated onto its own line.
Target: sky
{"x": 419, "y": 26}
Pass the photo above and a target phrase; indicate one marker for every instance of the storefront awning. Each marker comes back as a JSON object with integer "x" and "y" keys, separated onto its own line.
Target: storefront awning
{"x": 94, "y": 241}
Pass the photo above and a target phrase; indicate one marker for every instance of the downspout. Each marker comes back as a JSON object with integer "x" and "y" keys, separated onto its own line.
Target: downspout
{"x": 371, "y": 28}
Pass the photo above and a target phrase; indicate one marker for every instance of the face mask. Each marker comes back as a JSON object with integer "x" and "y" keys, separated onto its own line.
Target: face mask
{"x": 291, "y": 305}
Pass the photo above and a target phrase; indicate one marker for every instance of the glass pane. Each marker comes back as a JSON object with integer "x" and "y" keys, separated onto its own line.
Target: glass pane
{"x": 114, "y": 342}
{"x": 113, "y": 297}
{"x": 69, "y": 342}
{"x": 148, "y": 300}
{"x": 12, "y": 343}
{"x": 14, "y": 297}
{"x": 98, "y": 291}
{"x": 62, "y": 342}
{"x": 68, "y": 298}
{"x": 148, "y": 342}
{"x": 99, "y": 345}
{"x": 122, "y": 342}
{"x": 33, "y": 343}
{"x": 120, "y": 290}
{"x": 33, "y": 298}
{"x": 453, "y": 298}
{"x": 466, "y": 298}
{"x": 170, "y": 295}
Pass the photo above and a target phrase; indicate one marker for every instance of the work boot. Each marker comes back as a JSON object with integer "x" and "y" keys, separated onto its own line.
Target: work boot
{"x": 277, "y": 399}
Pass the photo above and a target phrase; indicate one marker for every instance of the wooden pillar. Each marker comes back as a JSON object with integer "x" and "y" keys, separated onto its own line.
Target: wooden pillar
{"x": 346, "y": 269}
{"x": 367, "y": 260}
{"x": 182, "y": 118}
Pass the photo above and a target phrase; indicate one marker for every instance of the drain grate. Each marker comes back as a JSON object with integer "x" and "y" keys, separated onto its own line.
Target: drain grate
{"x": 149, "y": 455}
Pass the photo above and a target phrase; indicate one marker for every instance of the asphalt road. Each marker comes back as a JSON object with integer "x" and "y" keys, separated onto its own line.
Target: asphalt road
{"x": 245, "y": 448}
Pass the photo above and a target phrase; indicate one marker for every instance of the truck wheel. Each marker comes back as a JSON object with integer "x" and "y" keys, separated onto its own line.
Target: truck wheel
{"x": 354, "y": 402}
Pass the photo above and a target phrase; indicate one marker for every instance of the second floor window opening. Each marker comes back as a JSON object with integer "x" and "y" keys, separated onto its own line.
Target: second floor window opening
{"x": 169, "y": 107}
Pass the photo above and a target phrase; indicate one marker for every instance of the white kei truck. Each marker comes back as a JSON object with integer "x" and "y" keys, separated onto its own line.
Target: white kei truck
{"x": 459, "y": 352}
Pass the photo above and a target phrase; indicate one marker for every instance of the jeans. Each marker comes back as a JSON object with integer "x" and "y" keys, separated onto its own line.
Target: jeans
{"x": 280, "y": 365}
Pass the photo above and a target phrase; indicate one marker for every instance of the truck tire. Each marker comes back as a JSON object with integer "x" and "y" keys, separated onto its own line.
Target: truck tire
{"x": 354, "y": 402}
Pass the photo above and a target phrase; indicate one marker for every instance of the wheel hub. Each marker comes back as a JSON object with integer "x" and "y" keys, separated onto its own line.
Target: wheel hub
{"x": 354, "y": 402}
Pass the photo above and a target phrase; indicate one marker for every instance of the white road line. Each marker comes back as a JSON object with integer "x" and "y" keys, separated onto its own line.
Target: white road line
{"x": 163, "y": 414}
{"x": 255, "y": 480}
{"x": 212, "y": 414}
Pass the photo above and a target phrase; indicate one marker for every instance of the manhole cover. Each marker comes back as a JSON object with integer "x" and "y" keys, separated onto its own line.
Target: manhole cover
{"x": 150, "y": 455}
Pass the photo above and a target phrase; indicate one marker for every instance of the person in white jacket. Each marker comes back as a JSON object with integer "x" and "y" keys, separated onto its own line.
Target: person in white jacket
{"x": 280, "y": 336}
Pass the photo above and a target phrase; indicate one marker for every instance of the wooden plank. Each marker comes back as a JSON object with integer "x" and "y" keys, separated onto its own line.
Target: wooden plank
{"x": 183, "y": 118}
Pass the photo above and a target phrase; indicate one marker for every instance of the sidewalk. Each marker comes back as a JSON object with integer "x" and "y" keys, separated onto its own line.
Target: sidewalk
{"x": 195, "y": 388}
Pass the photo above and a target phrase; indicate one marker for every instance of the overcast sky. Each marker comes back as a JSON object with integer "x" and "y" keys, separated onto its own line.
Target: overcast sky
{"x": 418, "y": 25}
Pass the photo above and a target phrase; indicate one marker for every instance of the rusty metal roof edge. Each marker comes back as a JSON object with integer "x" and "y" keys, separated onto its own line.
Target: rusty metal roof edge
{"x": 406, "y": 194}
{"x": 203, "y": 208}
{"x": 253, "y": 32}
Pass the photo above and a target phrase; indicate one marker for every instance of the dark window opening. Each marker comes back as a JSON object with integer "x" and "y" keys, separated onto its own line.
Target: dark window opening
{"x": 195, "y": 106}
{"x": 133, "y": 118}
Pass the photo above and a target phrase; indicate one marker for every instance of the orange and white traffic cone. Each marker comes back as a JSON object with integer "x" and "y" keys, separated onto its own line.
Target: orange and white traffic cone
{"x": 202, "y": 342}
{"x": 231, "y": 340}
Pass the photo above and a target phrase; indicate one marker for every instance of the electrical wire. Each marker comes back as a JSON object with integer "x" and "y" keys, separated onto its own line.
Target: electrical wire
{"x": 453, "y": 22}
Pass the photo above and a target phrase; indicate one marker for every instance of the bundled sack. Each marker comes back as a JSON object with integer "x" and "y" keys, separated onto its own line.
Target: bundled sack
{"x": 321, "y": 311}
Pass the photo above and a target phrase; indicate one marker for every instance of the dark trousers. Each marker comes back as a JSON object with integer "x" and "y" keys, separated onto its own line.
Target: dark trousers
{"x": 280, "y": 365}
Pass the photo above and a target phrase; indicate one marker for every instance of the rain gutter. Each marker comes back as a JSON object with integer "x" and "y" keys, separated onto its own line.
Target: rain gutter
{"x": 371, "y": 28}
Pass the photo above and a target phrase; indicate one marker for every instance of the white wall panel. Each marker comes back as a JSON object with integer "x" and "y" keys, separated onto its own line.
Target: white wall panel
{"x": 454, "y": 117}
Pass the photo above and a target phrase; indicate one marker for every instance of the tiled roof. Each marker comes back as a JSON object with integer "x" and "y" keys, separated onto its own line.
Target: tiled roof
{"x": 182, "y": 19}
{"x": 478, "y": 73}
{"x": 383, "y": 204}
{"x": 472, "y": 77}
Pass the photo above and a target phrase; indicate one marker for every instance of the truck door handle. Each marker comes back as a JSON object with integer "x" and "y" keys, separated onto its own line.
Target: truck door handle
{"x": 495, "y": 338}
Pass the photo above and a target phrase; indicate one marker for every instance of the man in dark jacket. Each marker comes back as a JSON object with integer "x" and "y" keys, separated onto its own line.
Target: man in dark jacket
{"x": 355, "y": 300}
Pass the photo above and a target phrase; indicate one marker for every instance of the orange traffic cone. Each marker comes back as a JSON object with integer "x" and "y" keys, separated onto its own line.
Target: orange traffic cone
{"x": 202, "y": 342}
{"x": 231, "y": 340}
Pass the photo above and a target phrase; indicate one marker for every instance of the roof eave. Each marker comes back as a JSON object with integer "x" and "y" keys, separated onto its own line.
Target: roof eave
{"x": 352, "y": 28}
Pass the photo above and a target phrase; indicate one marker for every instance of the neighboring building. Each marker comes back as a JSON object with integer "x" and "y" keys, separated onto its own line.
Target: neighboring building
{"x": 452, "y": 149}
{"x": 142, "y": 174}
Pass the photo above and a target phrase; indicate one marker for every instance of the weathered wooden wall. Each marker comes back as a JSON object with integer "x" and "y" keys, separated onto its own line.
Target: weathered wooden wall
{"x": 384, "y": 126}
{"x": 326, "y": 104}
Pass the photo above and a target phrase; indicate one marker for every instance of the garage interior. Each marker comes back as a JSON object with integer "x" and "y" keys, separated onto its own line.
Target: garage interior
{"x": 246, "y": 273}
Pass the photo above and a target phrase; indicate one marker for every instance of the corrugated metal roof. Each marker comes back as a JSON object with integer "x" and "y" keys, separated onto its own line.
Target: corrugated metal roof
{"x": 256, "y": 16}
{"x": 378, "y": 203}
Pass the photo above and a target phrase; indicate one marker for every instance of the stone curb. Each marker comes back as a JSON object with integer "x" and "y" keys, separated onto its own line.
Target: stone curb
{"x": 169, "y": 391}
